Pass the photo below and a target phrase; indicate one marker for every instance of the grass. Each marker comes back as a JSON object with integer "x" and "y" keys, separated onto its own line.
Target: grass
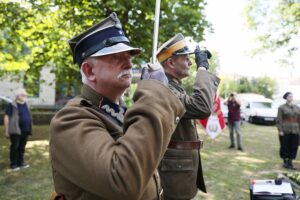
{"x": 227, "y": 172}
{"x": 33, "y": 183}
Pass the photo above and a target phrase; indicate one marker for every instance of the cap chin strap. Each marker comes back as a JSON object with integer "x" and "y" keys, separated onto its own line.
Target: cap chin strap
{"x": 106, "y": 43}
{"x": 167, "y": 53}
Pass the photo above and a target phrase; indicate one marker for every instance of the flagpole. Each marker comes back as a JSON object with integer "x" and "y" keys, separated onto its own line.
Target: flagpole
{"x": 155, "y": 32}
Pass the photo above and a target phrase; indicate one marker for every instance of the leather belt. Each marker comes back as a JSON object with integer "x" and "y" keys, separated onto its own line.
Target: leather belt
{"x": 185, "y": 145}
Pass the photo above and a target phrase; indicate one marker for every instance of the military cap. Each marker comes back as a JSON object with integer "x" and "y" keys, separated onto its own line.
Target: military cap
{"x": 174, "y": 46}
{"x": 286, "y": 95}
{"x": 104, "y": 38}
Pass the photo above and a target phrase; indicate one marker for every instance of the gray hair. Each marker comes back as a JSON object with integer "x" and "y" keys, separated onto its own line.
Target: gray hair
{"x": 83, "y": 76}
{"x": 20, "y": 91}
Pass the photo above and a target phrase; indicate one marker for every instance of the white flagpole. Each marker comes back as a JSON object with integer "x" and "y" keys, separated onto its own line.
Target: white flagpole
{"x": 155, "y": 32}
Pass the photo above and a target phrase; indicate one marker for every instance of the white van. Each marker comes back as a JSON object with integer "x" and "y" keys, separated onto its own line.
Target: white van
{"x": 258, "y": 109}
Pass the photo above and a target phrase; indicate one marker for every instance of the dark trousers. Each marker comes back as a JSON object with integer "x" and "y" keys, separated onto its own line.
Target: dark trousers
{"x": 288, "y": 145}
{"x": 17, "y": 149}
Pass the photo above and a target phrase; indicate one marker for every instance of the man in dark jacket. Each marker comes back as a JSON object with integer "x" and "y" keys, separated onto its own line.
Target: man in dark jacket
{"x": 234, "y": 120}
{"x": 18, "y": 126}
{"x": 180, "y": 169}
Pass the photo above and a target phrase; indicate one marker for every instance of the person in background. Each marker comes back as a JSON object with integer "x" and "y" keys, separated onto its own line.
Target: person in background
{"x": 234, "y": 120}
{"x": 18, "y": 126}
{"x": 288, "y": 124}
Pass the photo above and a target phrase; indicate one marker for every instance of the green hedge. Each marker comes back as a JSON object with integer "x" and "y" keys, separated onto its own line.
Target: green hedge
{"x": 39, "y": 118}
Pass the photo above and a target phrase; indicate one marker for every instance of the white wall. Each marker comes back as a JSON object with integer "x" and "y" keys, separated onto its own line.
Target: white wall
{"x": 46, "y": 94}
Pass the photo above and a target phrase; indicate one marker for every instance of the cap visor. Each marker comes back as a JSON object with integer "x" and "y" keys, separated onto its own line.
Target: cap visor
{"x": 118, "y": 48}
{"x": 185, "y": 52}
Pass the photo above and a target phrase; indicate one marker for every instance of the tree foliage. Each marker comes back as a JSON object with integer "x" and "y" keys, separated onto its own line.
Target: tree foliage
{"x": 277, "y": 24}
{"x": 262, "y": 85}
{"x": 34, "y": 33}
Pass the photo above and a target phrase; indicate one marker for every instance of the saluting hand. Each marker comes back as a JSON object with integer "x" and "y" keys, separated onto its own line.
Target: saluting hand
{"x": 154, "y": 71}
{"x": 201, "y": 57}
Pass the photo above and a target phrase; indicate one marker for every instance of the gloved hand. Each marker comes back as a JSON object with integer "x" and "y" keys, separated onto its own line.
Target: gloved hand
{"x": 201, "y": 58}
{"x": 154, "y": 71}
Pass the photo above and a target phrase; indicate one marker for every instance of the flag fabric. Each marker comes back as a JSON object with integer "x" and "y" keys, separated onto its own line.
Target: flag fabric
{"x": 215, "y": 123}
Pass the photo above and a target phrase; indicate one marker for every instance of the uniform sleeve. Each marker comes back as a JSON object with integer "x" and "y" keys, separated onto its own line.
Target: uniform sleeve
{"x": 199, "y": 104}
{"x": 279, "y": 119}
{"x": 84, "y": 152}
{"x": 9, "y": 110}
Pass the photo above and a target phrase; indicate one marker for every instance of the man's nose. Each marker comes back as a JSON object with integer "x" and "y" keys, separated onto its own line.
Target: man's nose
{"x": 128, "y": 62}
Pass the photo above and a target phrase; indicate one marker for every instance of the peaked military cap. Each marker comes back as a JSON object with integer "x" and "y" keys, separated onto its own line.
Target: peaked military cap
{"x": 104, "y": 38}
{"x": 174, "y": 46}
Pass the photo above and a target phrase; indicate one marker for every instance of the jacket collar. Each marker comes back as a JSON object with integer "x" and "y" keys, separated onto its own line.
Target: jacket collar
{"x": 115, "y": 111}
{"x": 173, "y": 79}
{"x": 15, "y": 103}
{"x": 88, "y": 93}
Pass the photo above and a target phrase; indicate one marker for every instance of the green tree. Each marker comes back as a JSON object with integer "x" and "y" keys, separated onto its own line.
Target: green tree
{"x": 35, "y": 32}
{"x": 227, "y": 85}
{"x": 244, "y": 85}
{"x": 265, "y": 86}
{"x": 262, "y": 85}
{"x": 277, "y": 24}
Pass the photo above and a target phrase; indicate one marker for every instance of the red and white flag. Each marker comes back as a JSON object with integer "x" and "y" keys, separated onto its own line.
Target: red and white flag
{"x": 215, "y": 123}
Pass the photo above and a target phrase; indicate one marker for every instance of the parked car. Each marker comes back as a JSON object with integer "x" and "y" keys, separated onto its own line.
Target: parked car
{"x": 259, "y": 110}
{"x": 3, "y": 102}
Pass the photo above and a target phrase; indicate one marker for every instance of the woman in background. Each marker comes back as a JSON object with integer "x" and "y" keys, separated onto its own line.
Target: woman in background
{"x": 288, "y": 123}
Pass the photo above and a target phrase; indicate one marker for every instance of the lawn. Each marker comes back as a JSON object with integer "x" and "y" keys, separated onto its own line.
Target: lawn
{"x": 227, "y": 171}
{"x": 34, "y": 183}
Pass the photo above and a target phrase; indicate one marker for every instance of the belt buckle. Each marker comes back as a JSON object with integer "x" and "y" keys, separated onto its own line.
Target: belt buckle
{"x": 161, "y": 195}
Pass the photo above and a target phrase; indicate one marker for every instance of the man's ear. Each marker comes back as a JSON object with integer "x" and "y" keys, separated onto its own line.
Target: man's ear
{"x": 170, "y": 63}
{"x": 88, "y": 70}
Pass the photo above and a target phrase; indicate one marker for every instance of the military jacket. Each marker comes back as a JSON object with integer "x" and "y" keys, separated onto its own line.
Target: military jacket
{"x": 180, "y": 170}
{"x": 288, "y": 119}
{"x": 94, "y": 157}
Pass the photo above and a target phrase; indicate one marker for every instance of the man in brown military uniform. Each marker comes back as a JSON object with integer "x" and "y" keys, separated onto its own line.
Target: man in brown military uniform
{"x": 180, "y": 169}
{"x": 288, "y": 124}
{"x": 98, "y": 149}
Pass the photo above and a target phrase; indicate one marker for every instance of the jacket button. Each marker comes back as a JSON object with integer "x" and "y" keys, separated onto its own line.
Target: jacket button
{"x": 177, "y": 120}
